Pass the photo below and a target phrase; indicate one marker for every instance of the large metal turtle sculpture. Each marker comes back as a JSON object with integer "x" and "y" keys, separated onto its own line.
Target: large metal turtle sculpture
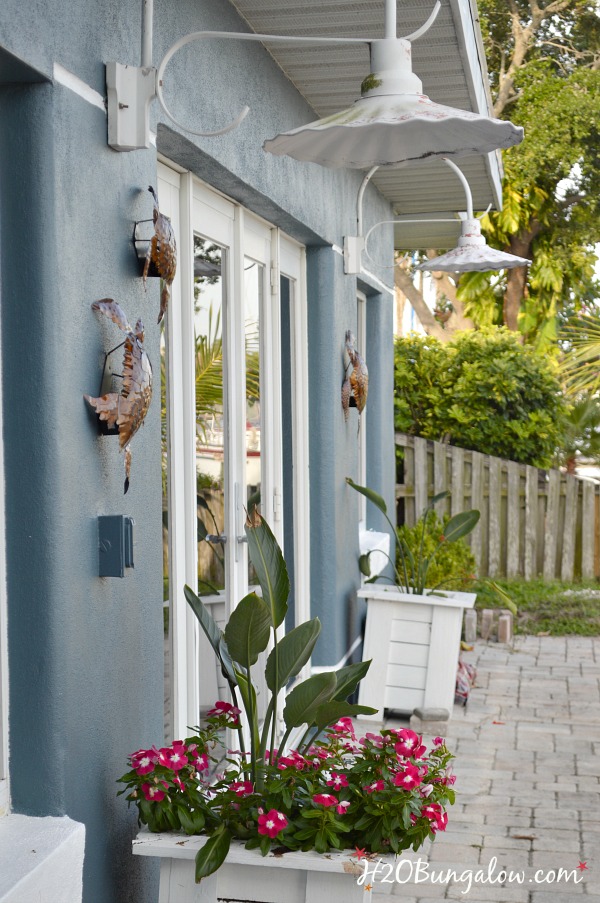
{"x": 126, "y": 409}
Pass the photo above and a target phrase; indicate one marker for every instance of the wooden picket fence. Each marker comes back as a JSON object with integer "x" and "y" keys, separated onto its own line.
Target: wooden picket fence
{"x": 533, "y": 522}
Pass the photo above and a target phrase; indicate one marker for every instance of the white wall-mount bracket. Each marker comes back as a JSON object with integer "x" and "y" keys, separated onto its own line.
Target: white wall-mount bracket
{"x": 130, "y": 90}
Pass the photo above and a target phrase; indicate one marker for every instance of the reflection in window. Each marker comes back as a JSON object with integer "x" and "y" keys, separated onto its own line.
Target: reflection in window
{"x": 210, "y": 451}
{"x": 253, "y": 288}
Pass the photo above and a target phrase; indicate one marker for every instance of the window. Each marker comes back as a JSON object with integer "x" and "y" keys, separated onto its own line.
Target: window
{"x": 235, "y": 418}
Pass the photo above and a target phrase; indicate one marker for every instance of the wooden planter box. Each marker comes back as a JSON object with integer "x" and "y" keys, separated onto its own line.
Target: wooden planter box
{"x": 248, "y": 877}
{"x": 414, "y": 642}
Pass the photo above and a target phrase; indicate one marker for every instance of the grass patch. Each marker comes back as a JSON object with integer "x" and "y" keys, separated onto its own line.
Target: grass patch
{"x": 549, "y": 607}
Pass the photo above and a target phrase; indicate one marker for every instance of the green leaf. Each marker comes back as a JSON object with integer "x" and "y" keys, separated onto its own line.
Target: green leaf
{"x": 248, "y": 694}
{"x": 364, "y": 564}
{"x": 293, "y": 651}
{"x": 330, "y": 712}
{"x": 438, "y": 498}
{"x": 271, "y": 571}
{"x": 213, "y": 633}
{"x": 248, "y": 630}
{"x": 304, "y": 700}
{"x": 348, "y": 679}
{"x": 213, "y": 854}
{"x": 207, "y": 622}
{"x": 461, "y": 524}
{"x": 370, "y": 494}
{"x": 226, "y": 663}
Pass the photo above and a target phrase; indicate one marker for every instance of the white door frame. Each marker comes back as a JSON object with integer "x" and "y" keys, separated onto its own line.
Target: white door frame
{"x": 195, "y": 207}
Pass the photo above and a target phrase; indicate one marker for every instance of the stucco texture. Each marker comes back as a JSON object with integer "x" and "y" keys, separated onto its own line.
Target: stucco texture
{"x": 86, "y": 653}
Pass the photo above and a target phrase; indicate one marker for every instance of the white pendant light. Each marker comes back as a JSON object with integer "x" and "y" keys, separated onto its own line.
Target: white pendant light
{"x": 472, "y": 253}
{"x": 393, "y": 122}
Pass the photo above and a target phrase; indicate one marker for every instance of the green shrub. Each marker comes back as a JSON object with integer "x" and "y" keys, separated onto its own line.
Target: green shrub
{"x": 453, "y": 565}
{"x": 483, "y": 391}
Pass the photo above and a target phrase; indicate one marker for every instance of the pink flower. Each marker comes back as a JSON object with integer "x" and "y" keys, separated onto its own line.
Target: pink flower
{"x": 376, "y": 739}
{"x": 409, "y": 744}
{"x": 341, "y": 809}
{"x": 178, "y": 782}
{"x": 230, "y": 713}
{"x": 438, "y": 741}
{"x": 409, "y": 778}
{"x": 200, "y": 762}
{"x": 272, "y": 823}
{"x": 343, "y": 726}
{"x": 242, "y": 788}
{"x": 294, "y": 760}
{"x": 153, "y": 792}
{"x": 173, "y": 757}
{"x": 325, "y": 799}
{"x": 376, "y": 785}
{"x": 436, "y": 815}
{"x": 338, "y": 781}
{"x": 144, "y": 760}
{"x": 319, "y": 752}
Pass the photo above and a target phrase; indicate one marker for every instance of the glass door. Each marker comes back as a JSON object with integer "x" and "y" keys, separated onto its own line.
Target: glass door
{"x": 223, "y": 405}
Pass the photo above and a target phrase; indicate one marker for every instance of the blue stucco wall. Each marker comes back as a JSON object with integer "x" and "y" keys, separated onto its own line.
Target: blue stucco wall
{"x": 86, "y": 654}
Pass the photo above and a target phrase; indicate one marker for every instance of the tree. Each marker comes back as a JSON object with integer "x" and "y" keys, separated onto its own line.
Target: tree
{"x": 484, "y": 391}
{"x": 581, "y": 434}
{"x": 544, "y": 64}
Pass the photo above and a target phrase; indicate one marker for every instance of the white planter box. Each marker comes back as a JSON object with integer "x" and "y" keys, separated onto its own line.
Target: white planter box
{"x": 248, "y": 877}
{"x": 414, "y": 642}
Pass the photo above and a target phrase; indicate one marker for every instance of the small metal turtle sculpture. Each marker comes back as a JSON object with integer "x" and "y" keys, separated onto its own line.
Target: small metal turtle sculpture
{"x": 126, "y": 409}
{"x": 162, "y": 252}
{"x": 355, "y": 386}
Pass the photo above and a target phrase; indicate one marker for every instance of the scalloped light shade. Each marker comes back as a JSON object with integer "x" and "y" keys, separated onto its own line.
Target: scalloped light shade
{"x": 393, "y": 129}
{"x": 472, "y": 254}
{"x": 393, "y": 122}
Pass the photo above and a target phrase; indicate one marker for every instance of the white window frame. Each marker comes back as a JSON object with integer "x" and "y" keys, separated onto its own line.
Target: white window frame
{"x": 361, "y": 341}
{"x": 230, "y": 222}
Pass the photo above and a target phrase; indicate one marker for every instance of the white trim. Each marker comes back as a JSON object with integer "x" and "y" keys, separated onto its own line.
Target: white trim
{"x": 169, "y": 187}
{"x": 377, "y": 283}
{"x": 41, "y": 859}
{"x": 187, "y": 402}
{"x": 78, "y": 86}
{"x": 300, "y": 427}
{"x": 361, "y": 343}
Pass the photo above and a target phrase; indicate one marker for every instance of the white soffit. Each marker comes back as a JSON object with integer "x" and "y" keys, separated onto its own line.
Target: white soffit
{"x": 449, "y": 60}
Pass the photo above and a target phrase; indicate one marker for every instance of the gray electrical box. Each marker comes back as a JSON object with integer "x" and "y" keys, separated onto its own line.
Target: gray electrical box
{"x": 115, "y": 545}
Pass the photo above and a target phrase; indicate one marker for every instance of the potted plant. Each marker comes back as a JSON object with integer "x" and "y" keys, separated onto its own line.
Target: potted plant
{"x": 331, "y": 794}
{"x": 413, "y": 631}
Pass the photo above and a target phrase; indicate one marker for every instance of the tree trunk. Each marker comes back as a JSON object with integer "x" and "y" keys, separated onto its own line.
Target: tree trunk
{"x": 513, "y": 296}
{"x": 516, "y": 282}
{"x": 404, "y": 284}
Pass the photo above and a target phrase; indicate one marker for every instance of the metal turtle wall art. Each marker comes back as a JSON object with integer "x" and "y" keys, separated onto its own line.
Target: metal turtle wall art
{"x": 355, "y": 386}
{"x": 126, "y": 409}
{"x": 162, "y": 252}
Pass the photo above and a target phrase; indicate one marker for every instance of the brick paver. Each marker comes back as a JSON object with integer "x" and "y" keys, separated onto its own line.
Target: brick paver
{"x": 528, "y": 781}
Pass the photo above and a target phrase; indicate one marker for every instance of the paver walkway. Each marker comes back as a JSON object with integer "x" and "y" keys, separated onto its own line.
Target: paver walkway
{"x": 528, "y": 782}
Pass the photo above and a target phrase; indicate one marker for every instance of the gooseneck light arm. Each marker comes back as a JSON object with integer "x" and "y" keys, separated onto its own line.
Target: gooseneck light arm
{"x": 130, "y": 90}
{"x": 465, "y": 185}
{"x": 390, "y": 31}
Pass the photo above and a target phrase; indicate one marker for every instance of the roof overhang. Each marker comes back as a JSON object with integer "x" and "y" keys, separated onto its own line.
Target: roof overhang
{"x": 450, "y": 62}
